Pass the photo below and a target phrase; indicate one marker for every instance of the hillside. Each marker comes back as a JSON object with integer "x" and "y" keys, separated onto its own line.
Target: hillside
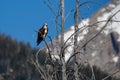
{"x": 16, "y": 63}
{"x": 104, "y": 49}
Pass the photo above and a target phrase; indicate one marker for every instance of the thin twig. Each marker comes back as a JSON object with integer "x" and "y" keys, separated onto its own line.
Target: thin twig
{"x": 89, "y": 1}
{"x": 93, "y": 75}
{"x": 50, "y": 7}
{"x": 81, "y": 4}
{"x": 111, "y": 75}
{"x": 51, "y": 41}
{"x": 38, "y": 69}
{"x": 38, "y": 65}
{"x": 48, "y": 49}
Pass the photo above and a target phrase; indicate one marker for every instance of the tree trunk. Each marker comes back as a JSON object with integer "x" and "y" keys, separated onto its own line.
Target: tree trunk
{"x": 64, "y": 77}
{"x": 76, "y": 41}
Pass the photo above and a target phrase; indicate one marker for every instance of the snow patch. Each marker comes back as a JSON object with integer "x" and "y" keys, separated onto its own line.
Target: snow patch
{"x": 71, "y": 31}
{"x": 114, "y": 26}
{"x": 103, "y": 10}
{"x": 84, "y": 23}
{"x": 70, "y": 42}
{"x": 111, "y": 5}
{"x": 94, "y": 54}
{"x": 115, "y": 59}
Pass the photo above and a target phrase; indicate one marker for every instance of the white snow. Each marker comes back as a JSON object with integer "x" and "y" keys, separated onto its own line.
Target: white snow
{"x": 111, "y": 5}
{"x": 102, "y": 10}
{"x": 71, "y": 31}
{"x": 69, "y": 50}
{"x": 114, "y": 26}
{"x": 115, "y": 59}
{"x": 94, "y": 54}
{"x": 84, "y": 23}
{"x": 68, "y": 34}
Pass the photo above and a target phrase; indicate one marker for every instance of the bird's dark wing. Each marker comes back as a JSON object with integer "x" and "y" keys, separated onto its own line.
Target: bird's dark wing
{"x": 40, "y": 38}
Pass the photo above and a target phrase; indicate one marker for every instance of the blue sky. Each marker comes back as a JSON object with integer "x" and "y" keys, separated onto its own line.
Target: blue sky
{"x": 20, "y": 18}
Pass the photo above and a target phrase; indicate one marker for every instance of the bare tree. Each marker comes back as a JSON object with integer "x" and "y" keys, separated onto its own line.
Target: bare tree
{"x": 62, "y": 64}
{"x": 64, "y": 77}
{"x": 76, "y": 14}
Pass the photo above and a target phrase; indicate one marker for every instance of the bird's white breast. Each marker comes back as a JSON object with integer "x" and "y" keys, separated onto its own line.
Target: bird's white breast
{"x": 45, "y": 32}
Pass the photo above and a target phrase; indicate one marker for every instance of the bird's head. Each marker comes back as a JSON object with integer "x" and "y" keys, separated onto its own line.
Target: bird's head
{"x": 45, "y": 25}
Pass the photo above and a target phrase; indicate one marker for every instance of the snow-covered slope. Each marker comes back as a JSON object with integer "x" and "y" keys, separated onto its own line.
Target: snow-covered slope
{"x": 85, "y": 33}
{"x": 114, "y": 26}
{"x": 102, "y": 49}
{"x": 82, "y": 32}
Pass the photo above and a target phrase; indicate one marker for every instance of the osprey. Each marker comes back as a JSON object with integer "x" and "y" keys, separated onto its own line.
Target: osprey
{"x": 42, "y": 33}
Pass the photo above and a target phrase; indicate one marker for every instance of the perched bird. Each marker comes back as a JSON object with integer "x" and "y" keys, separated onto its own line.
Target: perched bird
{"x": 42, "y": 33}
